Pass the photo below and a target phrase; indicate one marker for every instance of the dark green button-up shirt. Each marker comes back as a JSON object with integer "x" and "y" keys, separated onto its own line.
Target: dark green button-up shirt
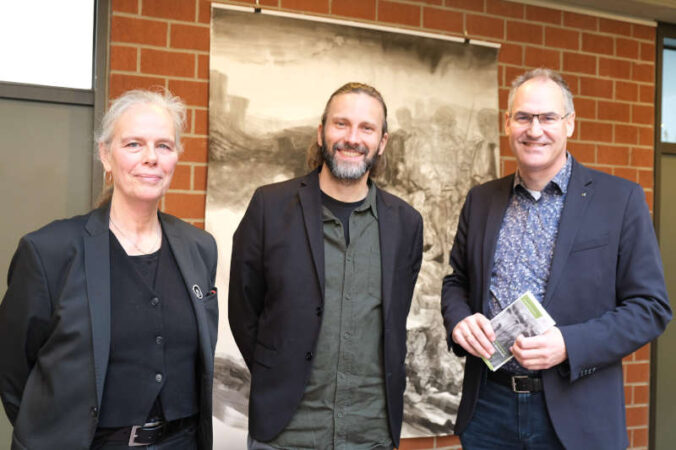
{"x": 344, "y": 404}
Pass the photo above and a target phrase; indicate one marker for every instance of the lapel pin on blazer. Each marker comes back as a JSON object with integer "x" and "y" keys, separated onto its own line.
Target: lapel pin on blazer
{"x": 198, "y": 292}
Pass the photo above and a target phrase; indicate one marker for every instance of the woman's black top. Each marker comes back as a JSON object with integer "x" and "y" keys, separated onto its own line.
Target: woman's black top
{"x": 153, "y": 365}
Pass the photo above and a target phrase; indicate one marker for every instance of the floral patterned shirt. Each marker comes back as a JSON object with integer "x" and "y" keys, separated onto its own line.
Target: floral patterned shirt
{"x": 523, "y": 253}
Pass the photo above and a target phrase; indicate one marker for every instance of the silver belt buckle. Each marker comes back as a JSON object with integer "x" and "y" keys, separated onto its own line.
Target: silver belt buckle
{"x": 514, "y": 378}
{"x": 133, "y": 436}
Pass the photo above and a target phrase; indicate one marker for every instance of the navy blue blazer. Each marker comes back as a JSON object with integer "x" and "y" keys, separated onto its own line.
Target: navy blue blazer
{"x": 276, "y": 296}
{"x": 55, "y": 328}
{"x": 606, "y": 292}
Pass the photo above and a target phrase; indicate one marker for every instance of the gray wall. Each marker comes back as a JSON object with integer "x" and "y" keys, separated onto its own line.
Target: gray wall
{"x": 46, "y": 155}
{"x": 665, "y": 388}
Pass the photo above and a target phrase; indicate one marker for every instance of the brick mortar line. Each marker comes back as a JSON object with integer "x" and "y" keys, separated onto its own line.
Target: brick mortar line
{"x": 601, "y": 77}
{"x": 615, "y": 144}
{"x": 605, "y": 99}
{"x": 158, "y": 75}
{"x": 405, "y": 2}
{"x": 157, "y": 47}
{"x": 580, "y": 52}
{"x": 174, "y": 50}
{"x": 606, "y": 121}
{"x": 577, "y": 74}
{"x": 160, "y": 19}
{"x": 618, "y": 122}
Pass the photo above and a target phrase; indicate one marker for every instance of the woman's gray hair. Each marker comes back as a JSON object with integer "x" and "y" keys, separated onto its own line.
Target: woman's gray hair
{"x": 165, "y": 100}
{"x": 547, "y": 74}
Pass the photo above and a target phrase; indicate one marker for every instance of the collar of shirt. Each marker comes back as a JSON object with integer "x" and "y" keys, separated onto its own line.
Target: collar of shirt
{"x": 558, "y": 184}
{"x": 370, "y": 201}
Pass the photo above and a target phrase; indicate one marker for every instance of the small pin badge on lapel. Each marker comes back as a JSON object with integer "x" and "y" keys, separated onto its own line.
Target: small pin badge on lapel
{"x": 584, "y": 194}
{"x": 198, "y": 292}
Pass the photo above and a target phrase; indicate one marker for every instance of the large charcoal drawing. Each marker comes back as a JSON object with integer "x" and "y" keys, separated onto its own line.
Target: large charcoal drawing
{"x": 270, "y": 79}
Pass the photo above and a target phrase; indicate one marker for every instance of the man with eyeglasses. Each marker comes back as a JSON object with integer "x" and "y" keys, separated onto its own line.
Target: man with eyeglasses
{"x": 582, "y": 242}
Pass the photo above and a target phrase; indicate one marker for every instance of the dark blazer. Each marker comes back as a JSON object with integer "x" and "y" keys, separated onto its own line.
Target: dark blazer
{"x": 606, "y": 292}
{"x": 277, "y": 293}
{"x": 55, "y": 328}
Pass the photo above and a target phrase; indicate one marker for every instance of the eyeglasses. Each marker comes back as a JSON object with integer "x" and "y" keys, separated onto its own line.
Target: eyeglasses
{"x": 544, "y": 119}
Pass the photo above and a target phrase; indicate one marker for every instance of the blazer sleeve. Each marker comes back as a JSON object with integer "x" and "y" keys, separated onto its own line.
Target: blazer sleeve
{"x": 247, "y": 287}
{"x": 213, "y": 259}
{"x": 418, "y": 252}
{"x": 455, "y": 288}
{"x": 25, "y": 316}
{"x": 642, "y": 308}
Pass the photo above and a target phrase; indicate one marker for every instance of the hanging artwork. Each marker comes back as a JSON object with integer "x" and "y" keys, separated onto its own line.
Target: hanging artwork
{"x": 271, "y": 76}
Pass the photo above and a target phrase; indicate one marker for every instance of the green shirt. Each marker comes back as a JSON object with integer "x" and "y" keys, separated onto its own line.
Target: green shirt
{"x": 344, "y": 404}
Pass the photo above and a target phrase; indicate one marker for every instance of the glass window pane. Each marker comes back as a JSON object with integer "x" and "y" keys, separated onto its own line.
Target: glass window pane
{"x": 668, "y": 125}
{"x": 47, "y": 42}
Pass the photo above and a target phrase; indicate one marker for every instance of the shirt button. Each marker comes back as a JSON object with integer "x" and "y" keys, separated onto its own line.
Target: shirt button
{"x": 346, "y": 335}
{"x": 154, "y": 301}
{"x": 340, "y": 414}
{"x": 159, "y": 340}
{"x": 159, "y": 377}
{"x": 308, "y": 356}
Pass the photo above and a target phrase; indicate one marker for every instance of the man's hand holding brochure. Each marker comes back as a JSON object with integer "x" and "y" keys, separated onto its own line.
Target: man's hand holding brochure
{"x": 525, "y": 316}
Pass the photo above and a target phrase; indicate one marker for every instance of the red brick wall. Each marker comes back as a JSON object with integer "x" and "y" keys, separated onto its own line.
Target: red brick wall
{"x": 609, "y": 65}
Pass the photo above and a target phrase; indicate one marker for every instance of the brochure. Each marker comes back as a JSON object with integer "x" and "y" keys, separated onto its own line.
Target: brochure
{"x": 523, "y": 316}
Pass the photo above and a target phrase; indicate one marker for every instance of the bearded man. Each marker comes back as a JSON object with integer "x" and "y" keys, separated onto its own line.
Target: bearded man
{"x": 322, "y": 276}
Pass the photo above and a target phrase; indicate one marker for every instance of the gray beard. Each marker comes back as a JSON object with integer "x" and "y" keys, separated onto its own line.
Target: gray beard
{"x": 348, "y": 172}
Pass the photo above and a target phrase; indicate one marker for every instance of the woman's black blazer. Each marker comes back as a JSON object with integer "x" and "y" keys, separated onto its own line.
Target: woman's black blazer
{"x": 55, "y": 327}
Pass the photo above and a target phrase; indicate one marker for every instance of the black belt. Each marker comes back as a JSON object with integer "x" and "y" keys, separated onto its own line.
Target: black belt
{"x": 148, "y": 433}
{"x": 522, "y": 384}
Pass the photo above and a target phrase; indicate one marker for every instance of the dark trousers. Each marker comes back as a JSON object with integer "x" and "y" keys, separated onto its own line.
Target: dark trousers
{"x": 506, "y": 420}
{"x": 185, "y": 439}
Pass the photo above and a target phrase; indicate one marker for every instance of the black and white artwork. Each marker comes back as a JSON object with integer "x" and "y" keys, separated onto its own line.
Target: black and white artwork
{"x": 271, "y": 76}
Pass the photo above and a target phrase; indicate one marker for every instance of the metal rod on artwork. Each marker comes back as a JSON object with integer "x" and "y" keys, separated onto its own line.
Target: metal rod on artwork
{"x": 273, "y": 12}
